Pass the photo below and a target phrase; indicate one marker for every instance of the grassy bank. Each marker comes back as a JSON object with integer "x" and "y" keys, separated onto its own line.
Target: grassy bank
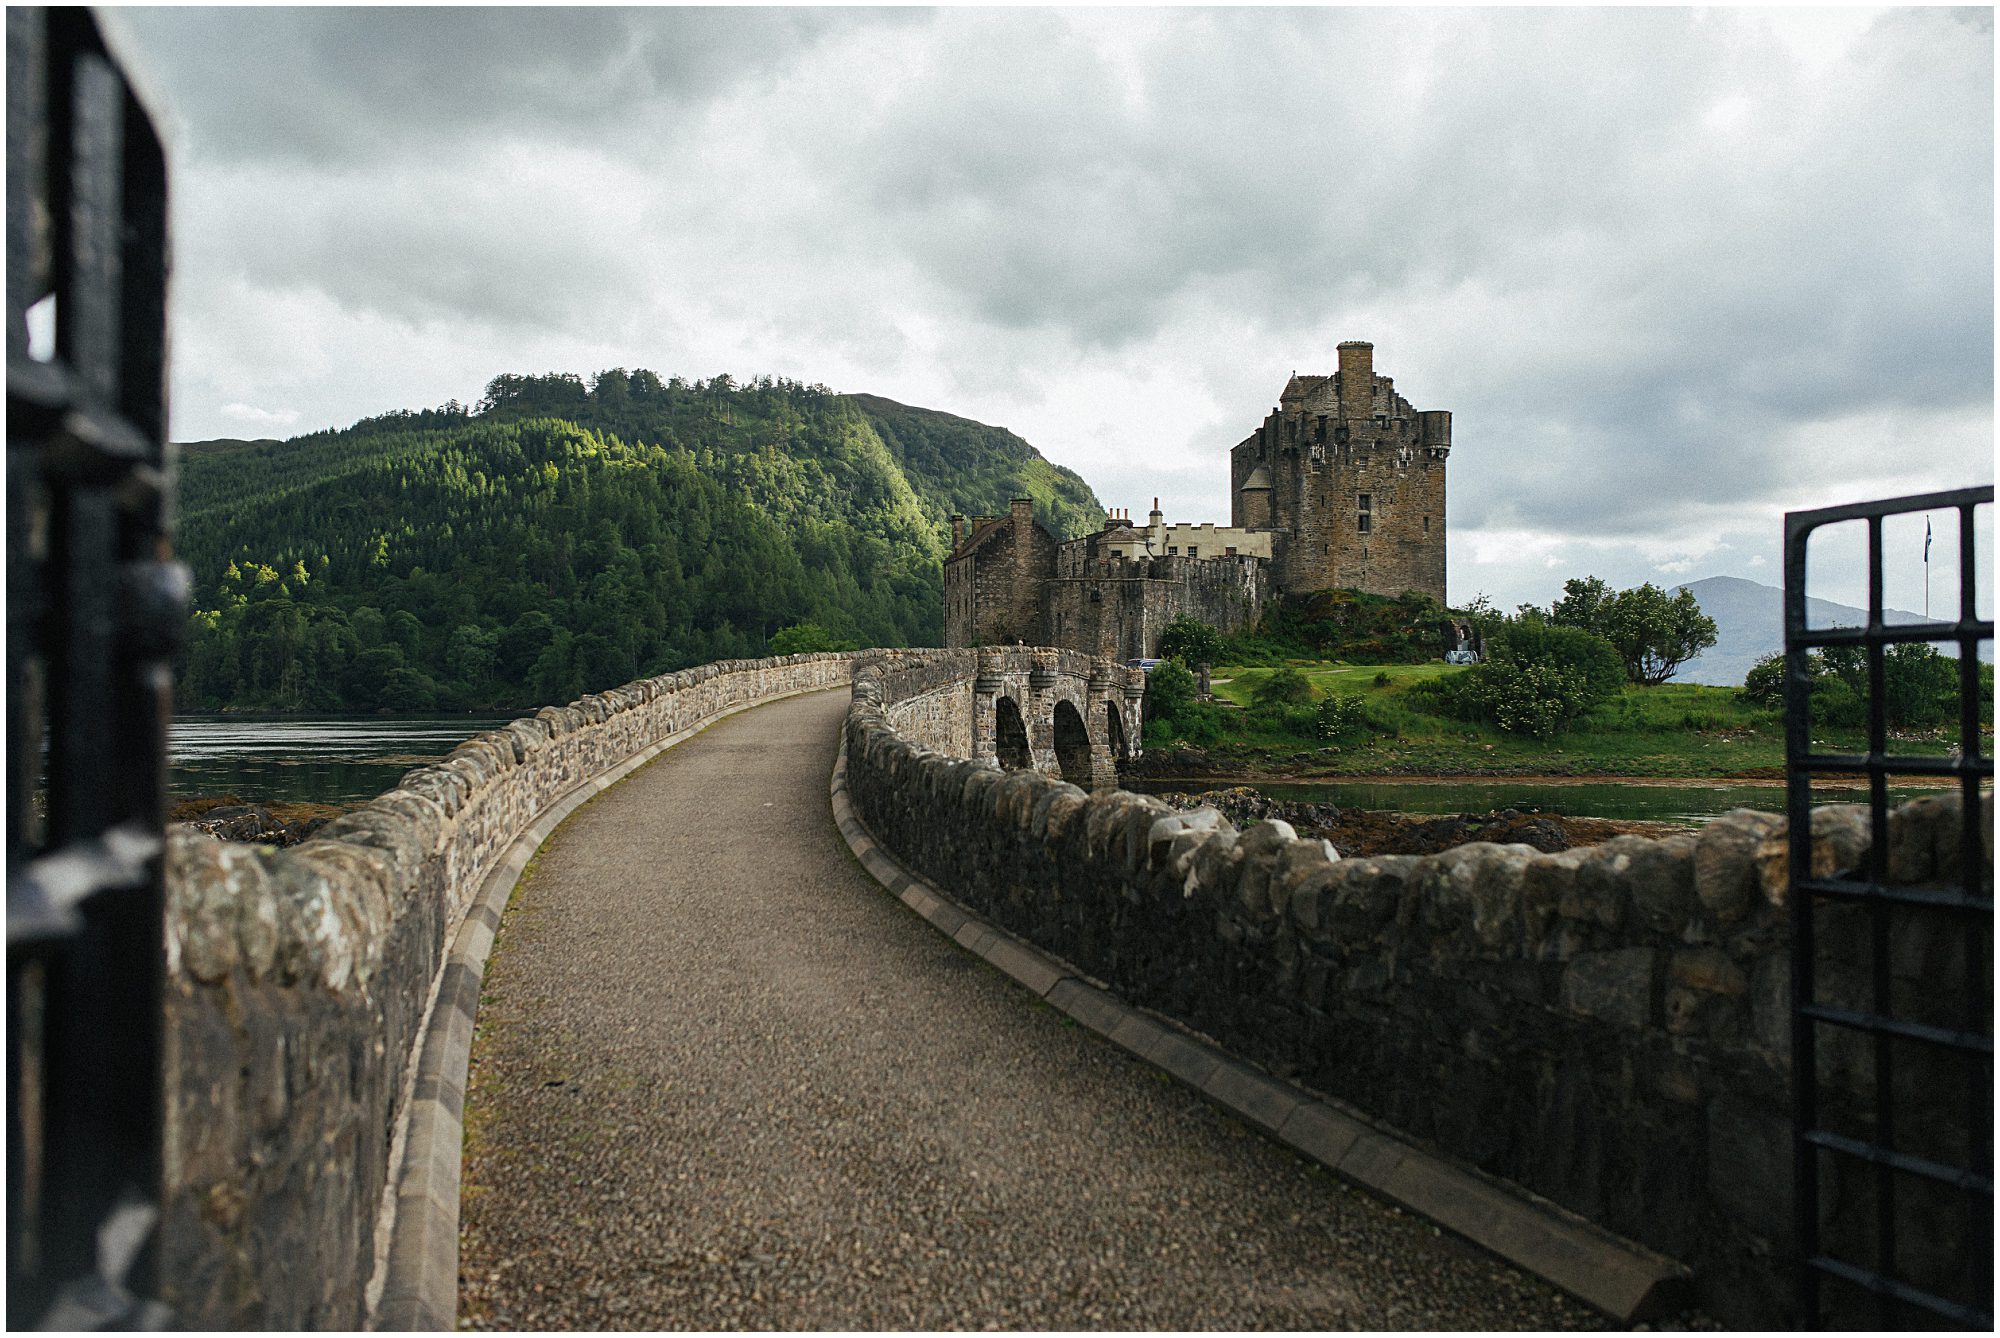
{"x": 1675, "y": 730}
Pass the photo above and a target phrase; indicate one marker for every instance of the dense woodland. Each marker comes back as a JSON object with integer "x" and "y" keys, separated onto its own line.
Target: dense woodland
{"x": 560, "y": 538}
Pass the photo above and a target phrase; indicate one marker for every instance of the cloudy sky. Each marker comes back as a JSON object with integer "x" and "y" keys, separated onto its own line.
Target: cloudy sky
{"x": 1674, "y": 272}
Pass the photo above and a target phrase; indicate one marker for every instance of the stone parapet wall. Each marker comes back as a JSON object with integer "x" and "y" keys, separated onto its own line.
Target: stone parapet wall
{"x": 298, "y": 983}
{"x": 1606, "y": 1027}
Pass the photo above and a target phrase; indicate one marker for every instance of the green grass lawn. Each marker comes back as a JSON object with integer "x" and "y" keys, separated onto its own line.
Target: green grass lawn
{"x": 1676, "y": 729}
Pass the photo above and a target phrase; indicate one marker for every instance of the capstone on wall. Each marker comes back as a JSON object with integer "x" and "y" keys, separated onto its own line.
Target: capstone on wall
{"x": 1607, "y": 1027}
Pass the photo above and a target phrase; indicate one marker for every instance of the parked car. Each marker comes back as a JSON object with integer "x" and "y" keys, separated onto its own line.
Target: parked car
{"x": 1147, "y": 665}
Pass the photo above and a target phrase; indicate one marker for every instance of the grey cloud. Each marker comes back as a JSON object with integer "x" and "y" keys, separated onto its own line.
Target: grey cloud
{"x": 1638, "y": 248}
{"x": 353, "y": 85}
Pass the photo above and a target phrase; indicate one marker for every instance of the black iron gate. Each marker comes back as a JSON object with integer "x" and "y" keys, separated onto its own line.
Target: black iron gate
{"x": 1892, "y": 1067}
{"x": 94, "y": 608}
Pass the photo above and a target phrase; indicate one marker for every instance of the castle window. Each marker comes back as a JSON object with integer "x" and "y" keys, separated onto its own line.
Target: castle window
{"x": 1229, "y": 552}
{"x": 1364, "y": 501}
{"x": 1427, "y": 524}
{"x": 1364, "y": 518}
{"x": 1194, "y": 552}
{"x": 1173, "y": 551}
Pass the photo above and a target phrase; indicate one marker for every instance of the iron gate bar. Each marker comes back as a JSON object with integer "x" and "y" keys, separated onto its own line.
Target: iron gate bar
{"x": 1880, "y": 1024}
{"x": 1888, "y": 1289}
{"x": 95, "y": 610}
{"x": 1903, "y": 1161}
{"x": 1972, "y": 900}
{"x": 1933, "y": 898}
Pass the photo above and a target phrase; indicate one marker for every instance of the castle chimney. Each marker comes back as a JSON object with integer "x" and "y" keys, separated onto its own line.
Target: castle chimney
{"x": 957, "y": 533}
{"x": 1357, "y": 378}
{"x": 1022, "y": 511}
{"x": 1158, "y": 522}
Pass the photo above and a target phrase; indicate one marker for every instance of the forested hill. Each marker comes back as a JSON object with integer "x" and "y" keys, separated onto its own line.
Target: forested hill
{"x": 559, "y": 538}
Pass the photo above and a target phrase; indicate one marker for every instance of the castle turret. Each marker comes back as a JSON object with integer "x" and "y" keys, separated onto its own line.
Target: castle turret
{"x": 1256, "y": 510}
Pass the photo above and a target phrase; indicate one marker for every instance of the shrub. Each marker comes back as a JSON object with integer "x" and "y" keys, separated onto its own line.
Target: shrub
{"x": 1200, "y": 725}
{"x": 1764, "y": 685}
{"x": 1283, "y": 687}
{"x": 1535, "y": 699}
{"x": 1170, "y": 691}
{"x": 1338, "y": 717}
{"x": 1530, "y": 639}
{"x": 1382, "y": 679}
{"x": 1919, "y": 686}
{"x": 1191, "y": 642}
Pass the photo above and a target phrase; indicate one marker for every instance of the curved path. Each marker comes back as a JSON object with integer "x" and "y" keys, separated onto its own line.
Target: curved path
{"x": 722, "y": 1080}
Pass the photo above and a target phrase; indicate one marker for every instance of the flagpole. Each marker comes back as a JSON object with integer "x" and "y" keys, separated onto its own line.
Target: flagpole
{"x": 1927, "y": 568}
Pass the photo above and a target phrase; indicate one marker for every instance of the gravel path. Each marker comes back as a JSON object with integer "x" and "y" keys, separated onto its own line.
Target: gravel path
{"x": 723, "y": 1081}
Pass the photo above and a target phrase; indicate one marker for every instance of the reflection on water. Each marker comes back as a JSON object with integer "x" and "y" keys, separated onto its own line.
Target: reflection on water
{"x": 321, "y": 761}
{"x": 1689, "y": 802}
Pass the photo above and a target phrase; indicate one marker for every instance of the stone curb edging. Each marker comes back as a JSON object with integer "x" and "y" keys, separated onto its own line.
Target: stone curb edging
{"x": 1624, "y": 1280}
{"x": 420, "y": 1292}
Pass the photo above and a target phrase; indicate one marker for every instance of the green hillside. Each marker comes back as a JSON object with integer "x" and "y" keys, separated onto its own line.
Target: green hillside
{"x": 557, "y": 539}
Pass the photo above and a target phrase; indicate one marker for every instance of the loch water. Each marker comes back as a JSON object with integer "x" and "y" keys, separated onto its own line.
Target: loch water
{"x": 319, "y": 760}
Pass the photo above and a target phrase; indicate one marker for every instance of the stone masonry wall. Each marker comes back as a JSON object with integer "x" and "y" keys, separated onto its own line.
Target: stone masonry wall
{"x": 298, "y": 982}
{"x": 1117, "y": 608}
{"x": 1606, "y": 1027}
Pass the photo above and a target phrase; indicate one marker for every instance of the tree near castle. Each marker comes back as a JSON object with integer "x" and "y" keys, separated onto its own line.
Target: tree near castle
{"x": 1653, "y": 634}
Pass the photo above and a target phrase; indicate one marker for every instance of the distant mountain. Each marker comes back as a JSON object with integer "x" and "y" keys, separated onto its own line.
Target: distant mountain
{"x": 1750, "y": 624}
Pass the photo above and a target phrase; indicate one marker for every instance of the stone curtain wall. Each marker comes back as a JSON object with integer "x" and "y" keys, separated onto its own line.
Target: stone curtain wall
{"x": 298, "y": 982}
{"x": 1606, "y": 1027}
{"x": 1118, "y": 608}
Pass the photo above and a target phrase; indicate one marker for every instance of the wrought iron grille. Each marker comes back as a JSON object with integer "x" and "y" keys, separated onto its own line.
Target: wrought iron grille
{"x": 94, "y": 609}
{"x": 1893, "y": 1074}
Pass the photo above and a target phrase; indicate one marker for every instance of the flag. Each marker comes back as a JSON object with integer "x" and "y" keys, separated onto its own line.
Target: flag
{"x": 1927, "y": 538}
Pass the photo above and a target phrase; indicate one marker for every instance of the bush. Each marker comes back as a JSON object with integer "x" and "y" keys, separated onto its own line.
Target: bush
{"x": 1170, "y": 692}
{"x": 1191, "y": 642}
{"x": 1201, "y": 725}
{"x": 1919, "y": 686}
{"x": 1382, "y": 680}
{"x": 1532, "y": 699}
{"x": 1283, "y": 687}
{"x": 1338, "y": 717}
{"x": 1531, "y": 640}
{"x": 1764, "y": 685}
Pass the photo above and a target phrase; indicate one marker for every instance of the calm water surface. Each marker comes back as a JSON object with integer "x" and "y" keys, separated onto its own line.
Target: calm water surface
{"x": 342, "y": 760}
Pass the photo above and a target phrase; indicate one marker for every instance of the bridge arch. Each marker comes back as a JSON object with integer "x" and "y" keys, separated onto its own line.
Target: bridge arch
{"x": 1114, "y": 732}
{"x": 1072, "y": 744}
{"x": 1010, "y": 735}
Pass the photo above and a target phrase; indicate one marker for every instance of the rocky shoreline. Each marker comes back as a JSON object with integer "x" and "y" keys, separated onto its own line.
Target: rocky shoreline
{"x": 1379, "y": 832}
{"x": 228, "y": 818}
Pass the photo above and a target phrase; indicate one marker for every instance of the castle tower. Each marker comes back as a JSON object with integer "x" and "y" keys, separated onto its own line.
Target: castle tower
{"x": 1352, "y": 479}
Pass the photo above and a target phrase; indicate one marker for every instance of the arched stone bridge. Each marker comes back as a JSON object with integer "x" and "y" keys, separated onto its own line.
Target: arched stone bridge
{"x": 1056, "y": 712}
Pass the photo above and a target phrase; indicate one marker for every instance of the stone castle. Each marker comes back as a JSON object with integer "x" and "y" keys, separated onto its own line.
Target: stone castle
{"x": 1342, "y": 486}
